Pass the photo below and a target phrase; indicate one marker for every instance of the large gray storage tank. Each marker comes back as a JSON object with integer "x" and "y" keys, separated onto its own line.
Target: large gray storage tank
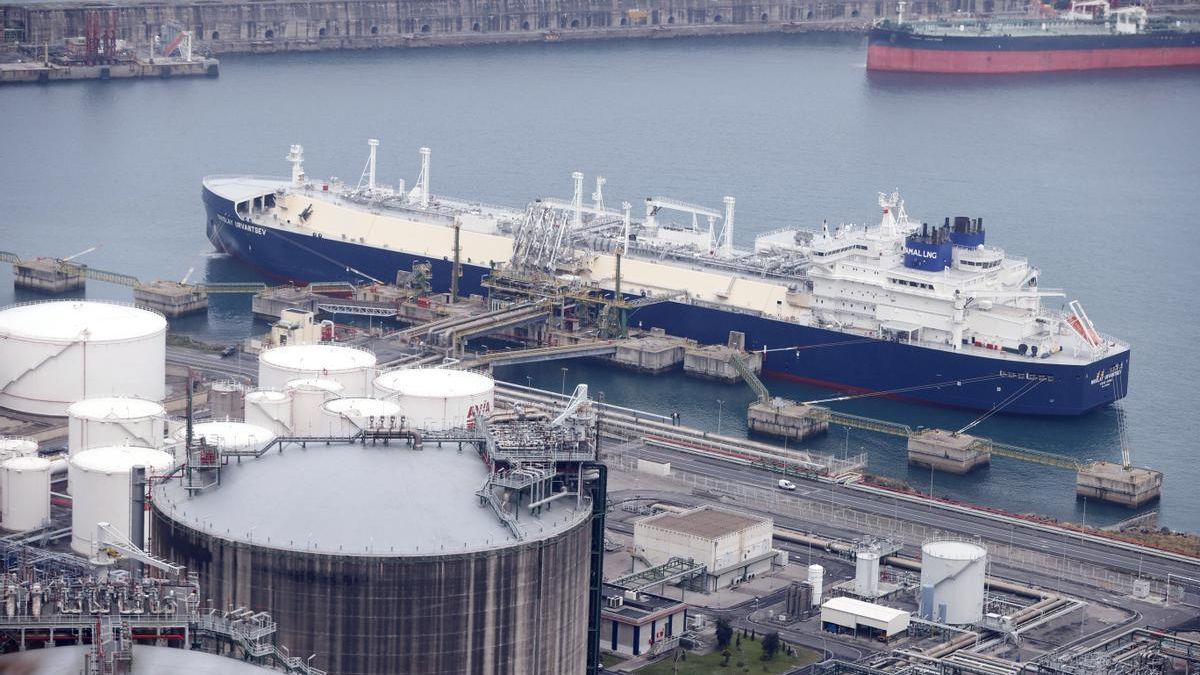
{"x": 382, "y": 559}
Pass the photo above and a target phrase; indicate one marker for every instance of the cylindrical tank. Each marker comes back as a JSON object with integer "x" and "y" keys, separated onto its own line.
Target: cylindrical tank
{"x": 348, "y": 416}
{"x": 952, "y": 581}
{"x": 55, "y": 353}
{"x": 237, "y": 436}
{"x": 866, "y": 574}
{"x": 352, "y": 367}
{"x": 438, "y": 398}
{"x": 346, "y": 572}
{"x": 25, "y": 496}
{"x": 271, "y": 410}
{"x": 100, "y": 488}
{"x": 816, "y": 579}
{"x": 227, "y": 401}
{"x": 99, "y": 422}
{"x": 308, "y": 395}
{"x": 17, "y": 446}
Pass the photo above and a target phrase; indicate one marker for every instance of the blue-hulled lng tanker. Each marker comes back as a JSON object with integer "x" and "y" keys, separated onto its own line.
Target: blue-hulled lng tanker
{"x": 927, "y": 313}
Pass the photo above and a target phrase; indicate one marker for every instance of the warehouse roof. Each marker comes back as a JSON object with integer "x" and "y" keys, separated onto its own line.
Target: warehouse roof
{"x": 705, "y": 521}
{"x": 864, "y": 609}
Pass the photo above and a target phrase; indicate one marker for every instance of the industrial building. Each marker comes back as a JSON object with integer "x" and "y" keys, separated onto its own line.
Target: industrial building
{"x": 634, "y": 623}
{"x": 732, "y": 546}
{"x": 461, "y": 550}
{"x": 847, "y": 615}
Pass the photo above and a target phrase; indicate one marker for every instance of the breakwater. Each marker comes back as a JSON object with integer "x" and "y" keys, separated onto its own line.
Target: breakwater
{"x": 232, "y": 26}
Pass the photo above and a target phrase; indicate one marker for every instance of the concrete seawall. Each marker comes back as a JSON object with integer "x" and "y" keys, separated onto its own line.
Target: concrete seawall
{"x": 309, "y": 25}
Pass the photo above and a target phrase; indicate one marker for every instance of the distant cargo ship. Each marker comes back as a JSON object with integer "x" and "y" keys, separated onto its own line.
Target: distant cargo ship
{"x": 901, "y": 308}
{"x": 1091, "y": 36}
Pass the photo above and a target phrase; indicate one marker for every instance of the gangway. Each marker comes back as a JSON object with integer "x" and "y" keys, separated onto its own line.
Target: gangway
{"x": 536, "y": 355}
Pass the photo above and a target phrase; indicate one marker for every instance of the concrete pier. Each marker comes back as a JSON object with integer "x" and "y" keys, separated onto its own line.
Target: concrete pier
{"x": 713, "y": 362}
{"x": 47, "y": 275}
{"x": 1111, "y": 482}
{"x": 786, "y": 419}
{"x": 947, "y": 451}
{"x": 270, "y": 303}
{"x": 654, "y": 353}
{"x": 172, "y": 299}
{"x": 58, "y": 72}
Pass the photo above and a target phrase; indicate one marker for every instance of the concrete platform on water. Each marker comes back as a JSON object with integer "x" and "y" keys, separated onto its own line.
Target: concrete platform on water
{"x": 172, "y": 299}
{"x": 47, "y": 275}
{"x": 654, "y": 353}
{"x": 785, "y": 419}
{"x": 712, "y": 362}
{"x": 947, "y": 451}
{"x": 1112, "y": 482}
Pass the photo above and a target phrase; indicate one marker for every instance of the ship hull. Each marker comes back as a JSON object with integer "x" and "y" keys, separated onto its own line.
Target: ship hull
{"x": 820, "y": 356}
{"x": 899, "y": 51}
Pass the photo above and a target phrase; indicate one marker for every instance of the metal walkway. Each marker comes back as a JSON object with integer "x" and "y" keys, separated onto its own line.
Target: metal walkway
{"x": 575, "y": 351}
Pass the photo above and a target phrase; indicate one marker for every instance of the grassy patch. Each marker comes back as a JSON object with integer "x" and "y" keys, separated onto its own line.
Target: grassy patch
{"x": 750, "y": 657}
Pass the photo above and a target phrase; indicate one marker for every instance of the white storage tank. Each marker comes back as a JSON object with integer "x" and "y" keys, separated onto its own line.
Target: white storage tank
{"x": 17, "y": 446}
{"x": 438, "y": 398}
{"x": 866, "y": 574}
{"x": 227, "y": 401}
{"x": 308, "y": 396}
{"x": 952, "y": 582}
{"x": 816, "y": 579}
{"x": 348, "y": 416}
{"x": 55, "y": 353}
{"x": 25, "y": 493}
{"x": 229, "y": 435}
{"x": 351, "y": 367}
{"x": 99, "y": 422}
{"x": 100, "y": 490}
{"x": 270, "y": 409}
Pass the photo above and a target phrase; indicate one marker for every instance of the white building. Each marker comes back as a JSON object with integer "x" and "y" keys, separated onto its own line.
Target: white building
{"x": 847, "y": 615}
{"x": 733, "y": 546}
{"x": 634, "y": 623}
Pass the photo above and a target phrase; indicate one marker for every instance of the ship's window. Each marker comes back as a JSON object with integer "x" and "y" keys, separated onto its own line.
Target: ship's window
{"x": 270, "y": 34}
{"x": 216, "y": 35}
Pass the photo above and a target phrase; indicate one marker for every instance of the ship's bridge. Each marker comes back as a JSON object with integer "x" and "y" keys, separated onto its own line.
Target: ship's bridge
{"x": 249, "y": 194}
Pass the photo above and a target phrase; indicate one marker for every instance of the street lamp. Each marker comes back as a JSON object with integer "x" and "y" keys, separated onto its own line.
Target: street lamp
{"x": 720, "y": 407}
{"x": 529, "y": 382}
{"x": 563, "y": 390}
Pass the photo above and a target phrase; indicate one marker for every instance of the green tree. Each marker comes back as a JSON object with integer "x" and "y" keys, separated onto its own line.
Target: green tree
{"x": 724, "y": 633}
{"x": 770, "y": 645}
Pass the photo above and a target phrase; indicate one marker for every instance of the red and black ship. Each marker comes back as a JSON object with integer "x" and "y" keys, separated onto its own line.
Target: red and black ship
{"x": 1090, "y": 36}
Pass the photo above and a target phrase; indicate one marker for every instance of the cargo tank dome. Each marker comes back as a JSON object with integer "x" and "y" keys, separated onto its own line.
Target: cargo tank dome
{"x": 352, "y": 367}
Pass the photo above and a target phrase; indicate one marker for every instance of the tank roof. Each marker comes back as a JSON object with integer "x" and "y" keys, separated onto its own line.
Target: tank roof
{"x": 27, "y": 463}
{"x": 266, "y": 395}
{"x": 121, "y": 458}
{"x": 315, "y": 384}
{"x": 434, "y": 382}
{"x": 115, "y": 408}
{"x": 350, "y": 499}
{"x": 953, "y": 550}
{"x": 361, "y": 407}
{"x": 332, "y": 358}
{"x": 70, "y": 320}
{"x": 66, "y": 660}
{"x": 229, "y": 434}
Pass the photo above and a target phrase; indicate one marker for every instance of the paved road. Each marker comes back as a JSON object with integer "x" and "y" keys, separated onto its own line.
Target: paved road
{"x": 239, "y": 366}
{"x": 1050, "y": 543}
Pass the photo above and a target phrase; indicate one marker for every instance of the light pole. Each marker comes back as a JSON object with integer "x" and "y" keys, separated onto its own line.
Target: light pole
{"x": 529, "y": 382}
{"x": 563, "y": 391}
{"x": 720, "y": 407}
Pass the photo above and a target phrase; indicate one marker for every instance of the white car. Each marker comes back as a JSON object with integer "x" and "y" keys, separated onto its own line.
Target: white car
{"x": 785, "y": 484}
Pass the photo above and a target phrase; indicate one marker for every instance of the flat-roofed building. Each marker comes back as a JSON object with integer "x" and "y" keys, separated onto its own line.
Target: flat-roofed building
{"x": 732, "y": 546}
{"x": 633, "y": 623}
{"x": 847, "y": 615}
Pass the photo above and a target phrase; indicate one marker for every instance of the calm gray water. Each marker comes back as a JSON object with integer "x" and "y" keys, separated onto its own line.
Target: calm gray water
{"x": 1092, "y": 176}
